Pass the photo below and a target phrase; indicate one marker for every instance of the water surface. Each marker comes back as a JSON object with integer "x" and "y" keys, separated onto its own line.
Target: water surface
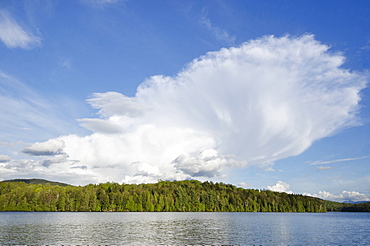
{"x": 184, "y": 228}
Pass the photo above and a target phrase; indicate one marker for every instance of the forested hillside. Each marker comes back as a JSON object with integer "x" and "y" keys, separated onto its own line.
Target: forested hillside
{"x": 36, "y": 181}
{"x": 184, "y": 196}
{"x": 347, "y": 207}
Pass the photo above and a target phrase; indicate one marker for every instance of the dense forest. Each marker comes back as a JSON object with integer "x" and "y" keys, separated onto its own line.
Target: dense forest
{"x": 164, "y": 196}
{"x": 347, "y": 207}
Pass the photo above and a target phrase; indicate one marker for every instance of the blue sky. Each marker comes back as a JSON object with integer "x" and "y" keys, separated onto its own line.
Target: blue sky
{"x": 260, "y": 94}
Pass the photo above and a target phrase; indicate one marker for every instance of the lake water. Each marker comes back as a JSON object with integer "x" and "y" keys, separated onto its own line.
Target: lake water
{"x": 184, "y": 228}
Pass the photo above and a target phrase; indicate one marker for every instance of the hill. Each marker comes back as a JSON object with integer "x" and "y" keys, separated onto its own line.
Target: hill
{"x": 36, "y": 181}
{"x": 164, "y": 196}
{"x": 188, "y": 195}
{"x": 347, "y": 207}
{"x": 354, "y": 202}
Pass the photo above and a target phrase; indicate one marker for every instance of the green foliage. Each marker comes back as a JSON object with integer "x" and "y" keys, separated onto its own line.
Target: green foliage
{"x": 347, "y": 207}
{"x": 164, "y": 196}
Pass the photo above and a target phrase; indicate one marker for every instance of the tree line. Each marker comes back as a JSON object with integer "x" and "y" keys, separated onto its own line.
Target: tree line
{"x": 164, "y": 196}
{"x": 347, "y": 207}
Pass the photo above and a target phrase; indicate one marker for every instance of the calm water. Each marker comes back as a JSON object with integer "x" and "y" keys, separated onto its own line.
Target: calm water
{"x": 185, "y": 228}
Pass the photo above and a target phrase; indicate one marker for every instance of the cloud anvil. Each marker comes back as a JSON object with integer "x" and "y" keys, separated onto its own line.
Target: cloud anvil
{"x": 268, "y": 99}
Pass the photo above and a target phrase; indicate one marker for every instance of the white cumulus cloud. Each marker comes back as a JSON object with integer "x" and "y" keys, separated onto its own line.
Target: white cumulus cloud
{"x": 268, "y": 99}
{"x": 280, "y": 186}
{"x": 48, "y": 148}
{"x": 13, "y": 35}
{"x": 207, "y": 163}
{"x": 353, "y": 196}
{"x": 4, "y": 158}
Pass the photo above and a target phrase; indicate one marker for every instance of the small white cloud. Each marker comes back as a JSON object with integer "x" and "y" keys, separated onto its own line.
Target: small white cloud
{"x": 243, "y": 184}
{"x": 66, "y": 63}
{"x": 280, "y": 186}
{"x": 13, "y": 35}
{"x": 50, "y": 147}
{"x": 324, "y": 168}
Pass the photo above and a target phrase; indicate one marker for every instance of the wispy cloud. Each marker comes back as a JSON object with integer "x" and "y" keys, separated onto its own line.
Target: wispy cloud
{"x": 28, "y": 116}
{"x": 336, "y": 178}
{"x": 267, "y": 167}
{"x": 219, "y": 33}
{"x": 15, "y": 36}
{"x": 101, "y": 3}
{"x": 324, "y": 168}
{"x": 338, "y": 160}
{"x": 65, "y": 63}
{"x": 366, "y": 46}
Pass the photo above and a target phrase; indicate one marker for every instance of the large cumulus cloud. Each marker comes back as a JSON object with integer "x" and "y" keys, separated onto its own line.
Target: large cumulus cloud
{"x": 268, "y": 99}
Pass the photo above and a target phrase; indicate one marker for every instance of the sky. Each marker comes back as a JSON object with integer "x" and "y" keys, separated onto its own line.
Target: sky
{"x": 258, "y": 94}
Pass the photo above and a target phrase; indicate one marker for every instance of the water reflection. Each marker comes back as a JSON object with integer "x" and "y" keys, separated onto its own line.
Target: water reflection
{"x": 184, "y": 228}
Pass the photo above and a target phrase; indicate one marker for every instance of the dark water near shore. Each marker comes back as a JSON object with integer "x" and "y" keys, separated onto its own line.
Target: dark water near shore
{"x": 185, "y": 228}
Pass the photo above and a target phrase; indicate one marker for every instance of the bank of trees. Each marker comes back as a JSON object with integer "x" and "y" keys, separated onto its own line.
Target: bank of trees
{"x": 347, "y": 207}
{"x": 181, "y": 196}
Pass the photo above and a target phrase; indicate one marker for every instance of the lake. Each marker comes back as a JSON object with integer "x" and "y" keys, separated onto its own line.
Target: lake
{"x": 184, "y": 228}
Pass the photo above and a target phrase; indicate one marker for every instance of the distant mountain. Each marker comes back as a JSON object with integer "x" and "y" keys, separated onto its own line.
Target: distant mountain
{"x": 36, "y": 181}
{"x": 353, "y": 202}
